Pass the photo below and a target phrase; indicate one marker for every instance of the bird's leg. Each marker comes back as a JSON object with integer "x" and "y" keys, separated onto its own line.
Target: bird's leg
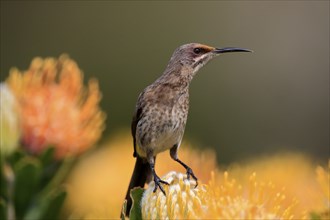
{"x": 174, "y": 155}
{"x": 157, "y": 180}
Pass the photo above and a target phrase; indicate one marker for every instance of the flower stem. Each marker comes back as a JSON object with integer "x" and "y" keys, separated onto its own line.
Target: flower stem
{"x": 10, "y": 180}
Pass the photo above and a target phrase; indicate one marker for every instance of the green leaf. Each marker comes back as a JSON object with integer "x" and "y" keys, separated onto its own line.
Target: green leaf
{"x": 47, "y": 156}
{"x": 123, "y": 210}
{"x": 10, "y": 162}
{"x": 3, "y": 209}
{"x": 50, "y": 166}
{"x": 16, "y": 156}
{"x": 135, "y": 213}
{"x": 315, "y": 216}
{"x": 28, "y": 172}
{"x": 3, "y": 186}
{"x": 48, "y": 207}
{"x": 55, "y": 205}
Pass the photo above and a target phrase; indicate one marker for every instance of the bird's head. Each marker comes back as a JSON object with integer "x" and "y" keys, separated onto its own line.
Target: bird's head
{"x": 195, "y": 55}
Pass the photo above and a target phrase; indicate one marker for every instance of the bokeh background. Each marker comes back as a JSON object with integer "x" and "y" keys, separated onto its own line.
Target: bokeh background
{"x": 242, "y": 105}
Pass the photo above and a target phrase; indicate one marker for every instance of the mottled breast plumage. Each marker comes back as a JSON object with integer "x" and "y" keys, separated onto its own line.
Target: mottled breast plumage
{"x": 162, "y": 118}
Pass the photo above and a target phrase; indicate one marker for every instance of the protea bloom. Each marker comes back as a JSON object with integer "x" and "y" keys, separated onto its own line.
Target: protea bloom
{"x": 227, "y": 200}
{"x": 56, "y": 108}
{"x": 323, "y": 178}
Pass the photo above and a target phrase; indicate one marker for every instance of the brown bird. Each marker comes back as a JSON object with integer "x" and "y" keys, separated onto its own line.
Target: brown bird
{"x": 161, "y": 113}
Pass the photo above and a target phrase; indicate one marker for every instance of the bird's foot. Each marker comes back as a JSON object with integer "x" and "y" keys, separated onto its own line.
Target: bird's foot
{"x": 191, "y": 173}
{"x": 158, "y": 182}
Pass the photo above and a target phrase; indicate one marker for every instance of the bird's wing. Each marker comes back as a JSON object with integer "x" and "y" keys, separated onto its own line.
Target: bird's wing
{"x": 136, "y": 119}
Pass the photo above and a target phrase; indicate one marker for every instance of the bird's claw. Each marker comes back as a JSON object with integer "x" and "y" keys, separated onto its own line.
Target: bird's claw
{"x": 191, "y": 173}
{"x": 158, "y": 182}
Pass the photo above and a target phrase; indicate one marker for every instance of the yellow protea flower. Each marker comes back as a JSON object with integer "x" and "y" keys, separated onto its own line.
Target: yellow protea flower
{"x": 294, "y": 172}
{"x": 282, "y": 186}
{"x": 226, "y": 200}
{"x": 56, "y": 108}
{"x": 9, "y": 121}
{"x": 323, "y": 178}
{"x": 182, "y": 200}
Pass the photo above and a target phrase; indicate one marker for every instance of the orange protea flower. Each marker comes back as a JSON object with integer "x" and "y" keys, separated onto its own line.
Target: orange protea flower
{"x": 225, "y": 200}
{"x": 56, "y": 108}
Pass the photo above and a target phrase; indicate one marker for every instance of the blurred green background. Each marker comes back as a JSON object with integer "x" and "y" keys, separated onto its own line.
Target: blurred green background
{"x": 241, "y": 104}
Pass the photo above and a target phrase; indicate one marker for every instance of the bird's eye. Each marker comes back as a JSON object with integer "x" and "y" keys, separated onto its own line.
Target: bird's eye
{"x": 197, "y": 50}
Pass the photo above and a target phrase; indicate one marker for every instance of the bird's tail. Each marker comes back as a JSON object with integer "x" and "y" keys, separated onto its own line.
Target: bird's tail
{"x": 141, "y": 173}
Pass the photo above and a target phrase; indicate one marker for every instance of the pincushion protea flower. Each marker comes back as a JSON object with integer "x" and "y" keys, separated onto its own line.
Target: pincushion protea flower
{"x": 56, "y": 108}
{"x": 323, "y": 178}
{"x": 228, "y": 200}
{"x": 182, "y": 200}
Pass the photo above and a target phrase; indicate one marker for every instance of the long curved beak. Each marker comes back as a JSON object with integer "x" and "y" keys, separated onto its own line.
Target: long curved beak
{"x": 230, "y": 49}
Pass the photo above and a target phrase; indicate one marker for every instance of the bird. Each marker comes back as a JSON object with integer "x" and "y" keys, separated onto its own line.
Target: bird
{"x": 161, "y": 113}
